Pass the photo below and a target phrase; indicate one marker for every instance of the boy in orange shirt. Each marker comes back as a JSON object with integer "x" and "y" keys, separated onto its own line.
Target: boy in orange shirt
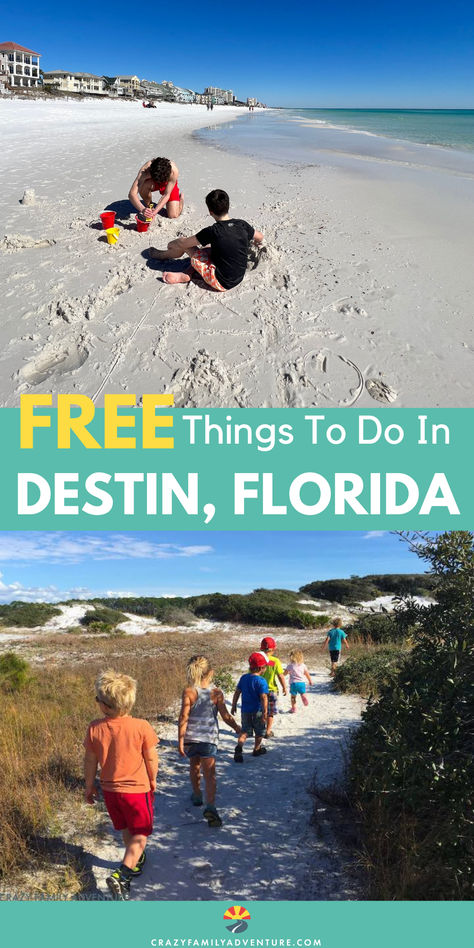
{"x": 125, "y": 749}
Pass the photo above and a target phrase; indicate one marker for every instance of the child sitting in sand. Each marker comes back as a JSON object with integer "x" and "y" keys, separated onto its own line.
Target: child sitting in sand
{"x": 298, "y": 676}
{"x": 161, "y": 175}
{"x": 198, "y": 732}
{"x": 254, "y": 691}
{"x": 125, "y": 749}
{"x": 334, "y": 640}
{"x": 222, "y": 259}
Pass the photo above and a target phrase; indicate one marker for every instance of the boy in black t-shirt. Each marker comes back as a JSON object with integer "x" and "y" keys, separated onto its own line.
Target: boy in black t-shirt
{"x": 221, "y": 258}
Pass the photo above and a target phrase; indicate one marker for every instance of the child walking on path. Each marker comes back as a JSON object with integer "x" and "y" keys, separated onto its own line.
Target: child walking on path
{"x": 125, "y": 749}
{"x": 198, "y": 732}
{"x": 334, "y": 640}
{"x": 298, "y": 676}
{"x": 273, "y": 673}
{"x": 221, "y": 260}
{"x": 254, "y": 691}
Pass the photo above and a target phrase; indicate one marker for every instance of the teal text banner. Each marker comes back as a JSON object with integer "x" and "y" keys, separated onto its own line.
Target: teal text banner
{"x": 271, "y": 925}
{"x": 247, "y": 469}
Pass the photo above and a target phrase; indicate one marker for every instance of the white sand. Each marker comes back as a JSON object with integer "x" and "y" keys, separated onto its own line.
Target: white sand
{"x": 363, "y": 293}
{"x": 266, "y": 848}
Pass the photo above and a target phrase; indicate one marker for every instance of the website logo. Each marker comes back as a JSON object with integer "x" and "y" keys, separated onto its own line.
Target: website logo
{"x": 237, "y": 915}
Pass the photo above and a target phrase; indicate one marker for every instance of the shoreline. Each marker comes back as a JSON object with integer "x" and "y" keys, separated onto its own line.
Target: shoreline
{"x": 365, "y": 274}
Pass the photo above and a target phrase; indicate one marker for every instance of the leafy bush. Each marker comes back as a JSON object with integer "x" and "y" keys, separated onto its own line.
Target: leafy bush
{"x": 224, "y": 679}
{"x": 14, "y": 672}
{"x": 377, "y": 628}
{"x": 367, "y": 674}
{"x": 102, "y": 617}
{"x": 412, "y": 767}
{"x": 27, "y": 615}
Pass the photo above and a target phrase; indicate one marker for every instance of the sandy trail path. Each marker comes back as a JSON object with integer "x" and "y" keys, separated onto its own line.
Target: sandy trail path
{"x": 266, "y": 848}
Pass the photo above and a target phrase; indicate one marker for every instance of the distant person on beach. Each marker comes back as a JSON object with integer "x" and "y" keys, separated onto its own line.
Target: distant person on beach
{"x": 222, "y": 257}
{"x": 334, "y": 640}
{"x": 254, "y": 691}
{"x": 198, "y": 732}
{"x": 298, "y": 677}
{"x": 273, "y": 673}
{"x": 161, "y": 175}
{"x": 125, "y": 749}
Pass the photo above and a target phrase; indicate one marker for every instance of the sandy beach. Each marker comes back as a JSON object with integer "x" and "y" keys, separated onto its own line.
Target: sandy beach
{"x": 362, "y": 293}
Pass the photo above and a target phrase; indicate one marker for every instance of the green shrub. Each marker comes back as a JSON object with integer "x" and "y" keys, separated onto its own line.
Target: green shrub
{"x": 27, "y": 615}
{"x": 14, "y": 672}
{"x": 412, "y": 768}
{"x": 378, "y": 628}
{"x": 367, "y": 674}
{"x": 224, "y": 679}
{"x": 104, "y": 616}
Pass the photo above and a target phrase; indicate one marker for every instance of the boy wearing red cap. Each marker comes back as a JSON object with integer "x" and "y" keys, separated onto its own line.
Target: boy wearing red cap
{"x": 254, "y": 691}
{"x": 272, "y": 673}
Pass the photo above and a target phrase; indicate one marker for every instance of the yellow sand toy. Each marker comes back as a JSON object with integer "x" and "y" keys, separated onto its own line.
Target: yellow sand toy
{"x": 112, "y": 234}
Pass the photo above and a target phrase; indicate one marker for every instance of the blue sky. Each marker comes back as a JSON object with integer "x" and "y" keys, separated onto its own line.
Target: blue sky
{"x": 405, "y": 54}
{"x": 36, "y": 566}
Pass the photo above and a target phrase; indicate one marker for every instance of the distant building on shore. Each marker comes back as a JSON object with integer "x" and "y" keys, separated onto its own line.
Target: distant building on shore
{"x": 220, "y": 96}
{"x": 19, "y": 66}
{"x": 130, "y": 84}
{"x": 78, "y": 82}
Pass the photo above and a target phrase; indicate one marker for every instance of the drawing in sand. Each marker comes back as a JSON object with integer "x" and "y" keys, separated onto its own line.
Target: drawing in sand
{"x": 223, "y": 265}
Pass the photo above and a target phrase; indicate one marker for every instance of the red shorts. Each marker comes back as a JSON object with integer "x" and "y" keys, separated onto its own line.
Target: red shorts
{"x": 132, "y": 811}
{"x": 174, "y": 196}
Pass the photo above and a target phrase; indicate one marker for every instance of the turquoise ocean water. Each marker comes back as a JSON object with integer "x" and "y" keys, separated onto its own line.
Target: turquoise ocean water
{"x": 447, "y": 128}
{"x": 440, "y": 139}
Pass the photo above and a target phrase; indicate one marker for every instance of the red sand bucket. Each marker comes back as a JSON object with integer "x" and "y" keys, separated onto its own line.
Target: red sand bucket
{"x": 142, "y": 226}
{"x": 108, "y": 219}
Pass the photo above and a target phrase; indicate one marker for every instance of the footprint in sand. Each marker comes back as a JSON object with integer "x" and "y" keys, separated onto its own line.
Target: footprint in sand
{"x": 53, "y": 360}
{"x": 349, "y": 309}
{"x": 381, "y": 391}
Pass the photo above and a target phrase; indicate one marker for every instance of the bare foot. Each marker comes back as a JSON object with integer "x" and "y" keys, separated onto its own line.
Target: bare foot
{"x": 176, "y": 277}
{"x": 159, "y": 254}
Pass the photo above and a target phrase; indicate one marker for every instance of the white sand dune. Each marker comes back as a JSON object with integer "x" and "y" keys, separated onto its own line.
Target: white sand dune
{"x": 266, "y": 848}
{"x": 362, "y": 295}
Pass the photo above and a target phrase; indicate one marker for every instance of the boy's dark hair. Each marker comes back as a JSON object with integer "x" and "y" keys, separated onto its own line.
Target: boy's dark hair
{"x": 218, "y": 202}
{"x": 160, "y": 170}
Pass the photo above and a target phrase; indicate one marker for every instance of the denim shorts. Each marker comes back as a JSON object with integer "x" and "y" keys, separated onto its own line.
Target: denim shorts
{"x": 298, "y": 688}
{"x": 272, "y": 703}
{"x": 252, "y": 723}
{"x": 200, "y": 749}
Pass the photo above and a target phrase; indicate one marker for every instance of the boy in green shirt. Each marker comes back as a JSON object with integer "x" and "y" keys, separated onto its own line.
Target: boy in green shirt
{"x": 273, "y": 672}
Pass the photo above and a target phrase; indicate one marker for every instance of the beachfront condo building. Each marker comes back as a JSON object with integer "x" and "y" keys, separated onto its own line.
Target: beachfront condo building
{"x": 19, "y": 66}
{"x": 221, "y": 96}
{"x": 75, "y": 82}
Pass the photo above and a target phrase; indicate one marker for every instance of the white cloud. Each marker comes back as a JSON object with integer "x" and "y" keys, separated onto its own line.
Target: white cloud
{"x": 374, "y": 534}
{"x": 67, "y": 548}
{"x": 21, "y": 593}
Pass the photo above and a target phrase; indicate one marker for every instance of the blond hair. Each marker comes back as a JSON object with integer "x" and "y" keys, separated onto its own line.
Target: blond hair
{"x": 197, "y": 670}
{"x": 336, "y": 621}
{"x": 117, "y": 691}
{"x": 297, "y": 656}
